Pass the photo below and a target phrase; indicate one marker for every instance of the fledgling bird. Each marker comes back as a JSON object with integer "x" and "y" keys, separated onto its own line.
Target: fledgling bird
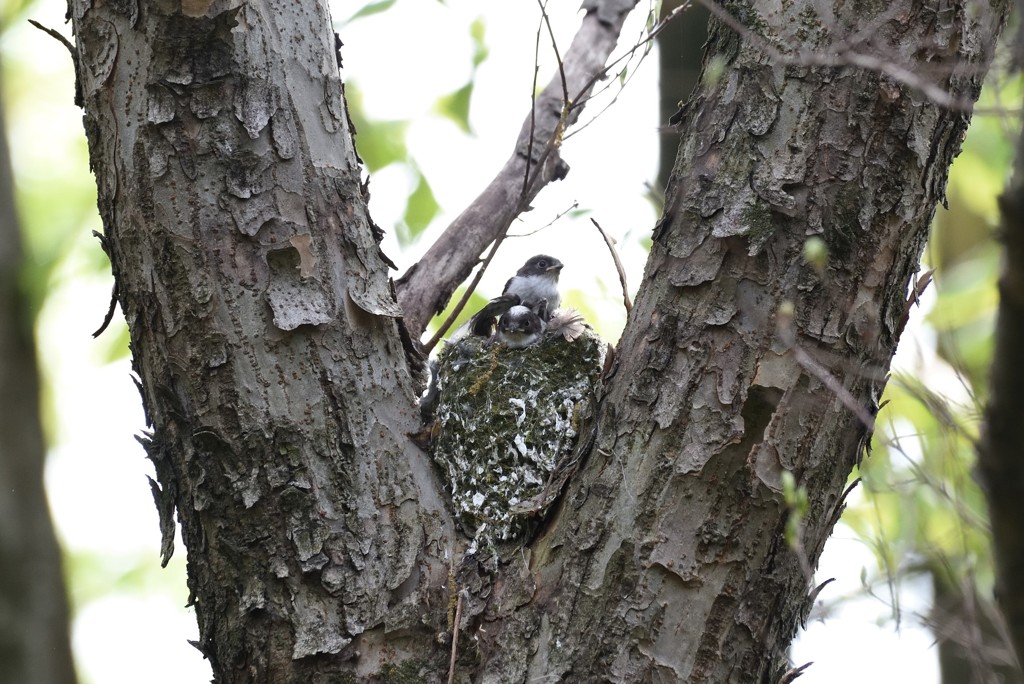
{"x": 536, "y": 280}
{"x": 521, "y": 326}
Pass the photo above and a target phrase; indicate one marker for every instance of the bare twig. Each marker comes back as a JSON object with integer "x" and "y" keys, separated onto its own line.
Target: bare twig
{"x": 787, "y": 335}
{"x": 115, "y": 291}
{"x": 834, "y": 385}
{"x": 432, "y": 342}
{"x": 455, "y": 640}
{"x": 554, "y": 47}
{"x": 625, "y": 57}
{"x": 626, "y": 302}
{"x": 795, "y": 672}
{"x": 533, "y": 111}
{"x": 53, "y": 33}
{"x": 114, "y": 294}
{"x": 575, "y": 205}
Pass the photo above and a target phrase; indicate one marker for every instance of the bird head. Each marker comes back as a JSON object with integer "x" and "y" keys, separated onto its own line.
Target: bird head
{"x": 542, "y": 264}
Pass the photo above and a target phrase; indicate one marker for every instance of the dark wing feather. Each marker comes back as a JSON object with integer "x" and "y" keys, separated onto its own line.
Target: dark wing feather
{"x": 483, "y": 321}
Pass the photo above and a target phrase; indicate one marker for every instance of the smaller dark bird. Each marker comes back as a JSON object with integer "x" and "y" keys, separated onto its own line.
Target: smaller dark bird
{"x": 536, "y": 280}
{"x": 521, "y": 327}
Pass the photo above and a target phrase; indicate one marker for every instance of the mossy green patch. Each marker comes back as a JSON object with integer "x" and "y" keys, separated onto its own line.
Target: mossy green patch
{"x": 760, "y": 225}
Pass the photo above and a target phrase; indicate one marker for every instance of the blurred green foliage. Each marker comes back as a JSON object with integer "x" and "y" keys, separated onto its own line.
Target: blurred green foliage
{"x": 370, "y": 9}
{"x": 92, "y": 575}
{"x": 455, "y": 105}
{"x": 920, "y": 509}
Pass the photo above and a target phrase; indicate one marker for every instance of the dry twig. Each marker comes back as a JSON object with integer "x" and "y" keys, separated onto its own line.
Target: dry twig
{"x": 626, "y": 302}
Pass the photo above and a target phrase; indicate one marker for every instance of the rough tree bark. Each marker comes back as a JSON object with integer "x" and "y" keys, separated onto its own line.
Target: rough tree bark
{"x": 672, "y": 537}
{"x": 263, "y": 329}
{"x": 274, "y": 373}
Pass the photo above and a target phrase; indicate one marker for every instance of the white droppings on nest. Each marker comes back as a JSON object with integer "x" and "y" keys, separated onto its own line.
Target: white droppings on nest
{"x": 507, "y": 418}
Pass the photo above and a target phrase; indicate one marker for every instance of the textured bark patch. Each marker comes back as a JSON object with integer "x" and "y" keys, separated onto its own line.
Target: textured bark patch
{"x": 294, "y": 299}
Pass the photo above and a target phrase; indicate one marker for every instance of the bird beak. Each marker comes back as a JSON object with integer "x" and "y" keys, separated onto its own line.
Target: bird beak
{"x": 555, "y": 267}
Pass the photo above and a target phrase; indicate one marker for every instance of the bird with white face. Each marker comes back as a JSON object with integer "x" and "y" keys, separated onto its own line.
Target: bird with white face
{"x": 537, "y": 279}
{"x": 521, "y": 326}
{"x": 535, "y": 282}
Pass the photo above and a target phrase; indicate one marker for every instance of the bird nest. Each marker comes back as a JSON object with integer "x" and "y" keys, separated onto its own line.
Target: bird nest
{"x": 507, "y": 422}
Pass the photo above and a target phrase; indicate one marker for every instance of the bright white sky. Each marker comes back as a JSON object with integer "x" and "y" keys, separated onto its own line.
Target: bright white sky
{"x": 403, "y": 60}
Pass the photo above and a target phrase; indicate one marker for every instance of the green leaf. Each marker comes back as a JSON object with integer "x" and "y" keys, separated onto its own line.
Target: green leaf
{"x": 477, "y": 31}
{"x": 371, "y": 9}
{"x": 455, "y": 106}
{"x": 714, "y": 70}
{"x": 420, "y": 210}
{"x": 379, "y": 142}
{"x": 816, "y": 254}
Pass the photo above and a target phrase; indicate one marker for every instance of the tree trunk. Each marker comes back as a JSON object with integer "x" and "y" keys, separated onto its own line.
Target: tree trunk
{"x": 34, "y": 644}
{"x": 679, "y": 59}
{"x": 280, "y": 393}
{"x": 264, "y": 332}
{"x": 746, "y": 359}
{"x": 999, "y": 450}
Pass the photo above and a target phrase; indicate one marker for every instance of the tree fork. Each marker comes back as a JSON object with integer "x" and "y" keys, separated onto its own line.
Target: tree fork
{"x": 270, "y": 351}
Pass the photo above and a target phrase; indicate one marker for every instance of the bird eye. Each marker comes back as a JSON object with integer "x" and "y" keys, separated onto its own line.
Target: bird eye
{"x": 543, "y": 263}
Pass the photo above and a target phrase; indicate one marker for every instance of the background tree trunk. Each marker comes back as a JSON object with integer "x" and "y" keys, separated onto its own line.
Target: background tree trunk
{"x": 679, "y": 57}
{"x": 275, "y": 373}
{"x": 34, "y": 644}
{"x": 1002, "y": 443}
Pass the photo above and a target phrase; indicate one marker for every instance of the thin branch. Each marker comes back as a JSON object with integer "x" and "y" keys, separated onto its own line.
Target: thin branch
{"x": 426, "y": 287}
{"x": 53, "y": 33}
{"x": 626, "y": 56}
{"x": 455, "y": 640}
{"x": 111, "y": 308}
{"x": 554, "y": 47}
{"x": 559, "y": 215}
{"x": 834, "y": 385}
{"x": 787, "y": 335}
{"x": 626, "y": 302}
{"x": 795, "y": 672}
{"x": 432, "y": 342}
{"x": 533, "y": 110}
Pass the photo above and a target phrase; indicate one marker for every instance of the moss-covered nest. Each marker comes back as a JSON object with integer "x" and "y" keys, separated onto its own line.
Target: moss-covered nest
{"x": 506, "y": 421}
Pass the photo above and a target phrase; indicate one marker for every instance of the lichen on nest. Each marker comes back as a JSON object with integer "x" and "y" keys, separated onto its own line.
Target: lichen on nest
{"x": 506, "y": 421}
